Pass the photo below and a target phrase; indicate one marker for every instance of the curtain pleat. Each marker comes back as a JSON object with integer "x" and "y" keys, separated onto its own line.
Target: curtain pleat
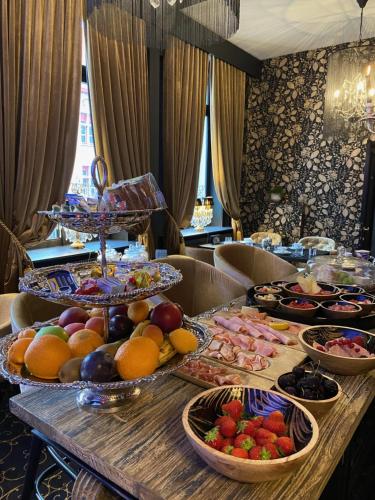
{"x": 118, "y": 83}
{"x": 40, "y": 78}
{"x": 227, "y": 115}
{"x": 185, "y": 84}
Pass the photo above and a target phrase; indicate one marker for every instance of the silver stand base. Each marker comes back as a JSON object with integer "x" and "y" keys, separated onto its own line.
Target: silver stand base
{"x": 107, "y": 401}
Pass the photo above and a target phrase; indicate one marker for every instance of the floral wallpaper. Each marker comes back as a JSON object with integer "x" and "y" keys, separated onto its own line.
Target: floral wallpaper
{"x": 284, "y": 146}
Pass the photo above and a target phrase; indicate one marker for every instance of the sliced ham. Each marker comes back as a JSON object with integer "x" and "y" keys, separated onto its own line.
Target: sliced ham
{"x": 261, "y": 347}
{"x": 215, "y": 345}
{"x": 230, "y": 324}
{"x": 230, "y": 379}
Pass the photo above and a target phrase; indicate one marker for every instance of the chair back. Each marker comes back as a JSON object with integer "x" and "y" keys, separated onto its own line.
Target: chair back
{"x": 6, "y": 300}
{"x": 259, "y": 236}
{"x": 202, "y": 287}
{"x": 26, "y": 309}
{"x": 318, "y": 242}
{"x": 250, "y": 265}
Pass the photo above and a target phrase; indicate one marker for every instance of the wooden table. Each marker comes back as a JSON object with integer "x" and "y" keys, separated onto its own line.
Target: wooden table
{"x": 143, "y": 449}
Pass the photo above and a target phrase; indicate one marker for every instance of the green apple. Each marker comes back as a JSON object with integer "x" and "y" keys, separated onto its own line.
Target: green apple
{"x": 53, "y": 330}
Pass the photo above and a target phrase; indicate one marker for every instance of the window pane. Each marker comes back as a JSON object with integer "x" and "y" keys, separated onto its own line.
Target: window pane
{"x": 202, "y": 182}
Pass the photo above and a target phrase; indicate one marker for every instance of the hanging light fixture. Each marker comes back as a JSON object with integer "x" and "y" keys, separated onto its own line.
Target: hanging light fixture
{"x": 350, "y": 90}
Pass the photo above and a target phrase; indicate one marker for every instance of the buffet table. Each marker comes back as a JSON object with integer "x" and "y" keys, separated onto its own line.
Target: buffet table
{"x": 143, "y": 450}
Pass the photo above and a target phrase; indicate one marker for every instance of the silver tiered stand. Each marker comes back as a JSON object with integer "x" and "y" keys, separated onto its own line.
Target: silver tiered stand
{"x": 109, "y": 396}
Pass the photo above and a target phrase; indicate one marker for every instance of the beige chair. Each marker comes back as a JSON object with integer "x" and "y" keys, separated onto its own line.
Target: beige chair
{"x": 203, "y": 254}
{"x": 249, "y": 265}
{"x": 203, "y": 286}
{"x": 6, "y": 300}
{"x": 258, "y": 237}
{"x": 26, "y": 309}
{"x": 318, "y": 242}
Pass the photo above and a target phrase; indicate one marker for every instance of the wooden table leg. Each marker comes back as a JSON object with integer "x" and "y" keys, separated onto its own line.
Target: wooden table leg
{"x": 32, "y": 467}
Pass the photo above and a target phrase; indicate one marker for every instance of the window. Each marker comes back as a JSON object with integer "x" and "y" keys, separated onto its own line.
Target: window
{"x": 91, "y": 135}
{"x": 205, "y": 162}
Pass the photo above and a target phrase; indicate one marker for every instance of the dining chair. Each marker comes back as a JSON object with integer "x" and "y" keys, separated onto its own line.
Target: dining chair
{"x": 26, "y": 309}
{"x": 318, "y": 242}
{"x": 203, "y": 254}
{"x": 259, "y": 236}
{"x": 203, "y": 286}
{"x": 250, "y": 265}
{"x": 6, "y": 300}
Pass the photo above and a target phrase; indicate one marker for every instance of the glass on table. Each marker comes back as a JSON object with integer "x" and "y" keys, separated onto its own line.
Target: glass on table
{"x": 312, "y": 252}
{"x": 228, "y": 239}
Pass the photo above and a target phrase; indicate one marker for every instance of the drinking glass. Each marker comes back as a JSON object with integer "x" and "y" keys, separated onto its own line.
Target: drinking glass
{"x": 228, "y": 239}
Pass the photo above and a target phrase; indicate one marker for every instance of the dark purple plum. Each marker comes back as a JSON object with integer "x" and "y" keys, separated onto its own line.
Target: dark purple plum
{"x": 98, "y": 366}
{"x": 120, "y": 327}
{"x": 121, "y": 309}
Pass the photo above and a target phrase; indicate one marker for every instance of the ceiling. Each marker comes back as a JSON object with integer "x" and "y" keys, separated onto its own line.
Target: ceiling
{"x": 271, "y": 28}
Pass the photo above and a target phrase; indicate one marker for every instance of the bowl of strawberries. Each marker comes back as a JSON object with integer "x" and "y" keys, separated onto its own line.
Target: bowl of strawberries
{"x": 250, "y": 434}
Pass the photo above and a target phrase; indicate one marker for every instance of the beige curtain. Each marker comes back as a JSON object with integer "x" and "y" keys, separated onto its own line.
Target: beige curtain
{"x": 227, "y": 115}
{"x": 185, "y": 85}
{"x": 118, "y": 82}
{"x": 40, "y": 77}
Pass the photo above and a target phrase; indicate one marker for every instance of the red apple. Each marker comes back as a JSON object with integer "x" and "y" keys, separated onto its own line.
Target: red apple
{"x": 73, "y": 315}
{"x": 122, "y": 310}
{"x": 167, "y": 316}
{"x": 73, "y": 328}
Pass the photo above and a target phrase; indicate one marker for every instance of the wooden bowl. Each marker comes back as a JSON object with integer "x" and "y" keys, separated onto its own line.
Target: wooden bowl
{"x": 350, "y": 289}
{"x": 317, "y": 407}
{"x": 328, "y": 313}
{"x": 334, "y": 292}
{"x": 366, "y": 308}
{"x": 258, "y": 289}
{"x": 279, "y": 283}
{"x": 271, "y": 304}
{"x": 303, "y": 313}
{"x": 199, "y": 416}
{"x": 341, "y": 365}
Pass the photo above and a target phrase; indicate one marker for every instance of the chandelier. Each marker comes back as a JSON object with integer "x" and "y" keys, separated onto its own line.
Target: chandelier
{"x": 350, "y": 90}
{"x": 203, "y": 213}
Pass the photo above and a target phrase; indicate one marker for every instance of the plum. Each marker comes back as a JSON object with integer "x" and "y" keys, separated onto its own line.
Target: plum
{"x": 121, "y": 309}
{"x": 120, "y": 327}
{"x": 98, "y": 366}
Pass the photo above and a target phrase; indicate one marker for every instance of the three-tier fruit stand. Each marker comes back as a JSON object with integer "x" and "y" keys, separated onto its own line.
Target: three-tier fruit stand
{"x": 108, "y": 396}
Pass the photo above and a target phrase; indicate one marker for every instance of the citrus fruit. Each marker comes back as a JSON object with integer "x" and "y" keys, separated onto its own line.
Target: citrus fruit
{"x": 183, "y": 341}
{"x": 136, "y": 358}
{"x": 154, "y": 333}
{"x": 96, "y": 311}
{"x": 45, "y": 356}
{"x": 278, "y": 325}
{"x": 27, "y": 333}
{"x": 16, "y": 353}
{"x": 53, "y": 330}
{"x": 83, "y": 342}
{"x": 138, "y": 311}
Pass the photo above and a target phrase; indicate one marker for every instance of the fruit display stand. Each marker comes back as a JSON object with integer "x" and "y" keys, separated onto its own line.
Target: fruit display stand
{"x": 112, "y": 395}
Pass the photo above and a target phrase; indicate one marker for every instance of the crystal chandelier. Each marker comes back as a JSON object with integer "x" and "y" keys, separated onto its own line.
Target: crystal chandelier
{"x": 350, "y": 90}
{"x": 203, "y": 213}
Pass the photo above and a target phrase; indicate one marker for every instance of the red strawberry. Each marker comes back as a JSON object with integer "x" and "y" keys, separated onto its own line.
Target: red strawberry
{"x": 274, "y": 425}
{"x": 240, "y": 453}
{"x": 234, "y": 409}
{"x": 285, "y": 445}
{"x": 257, "y": 421}
{"x": 228, "y": 442}
{"x": 227, "y": 449}
{"x": 214, "y": 439}
{"x": 246, "y": 427}
{"x": 263, "y": 436}
{"x": 273, "y": 451}
{"x": 244, "y": 441}
{"x": 259, "y": 453}
{"x": 276, "y": 415}
{"x": 227, "y": 426}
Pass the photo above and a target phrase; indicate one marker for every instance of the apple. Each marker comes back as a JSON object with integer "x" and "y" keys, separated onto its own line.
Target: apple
{"x": 53, "y": 330}
{"x": 73, "y": 315}
{"x": 73, "y": 328}
{"x": 97, "y": 324}
{"x": 121, "y": 309}
{"x": 167, "y": 316}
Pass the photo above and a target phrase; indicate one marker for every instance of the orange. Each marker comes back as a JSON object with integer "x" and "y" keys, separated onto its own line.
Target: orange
{"x": 154, "y": 333}
{"x": 46, "y": 355}
{"x": 138, "y": 357}
{"x": 183, "y": 341}
{"x": 16, "y": 353}
{"x": 138, "y": 311}
{"x": 27, "y": 333}
{"x": 83, "y": 342}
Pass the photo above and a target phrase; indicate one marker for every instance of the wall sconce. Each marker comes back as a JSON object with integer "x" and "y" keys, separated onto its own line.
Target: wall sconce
{"x": 203, "y": 213}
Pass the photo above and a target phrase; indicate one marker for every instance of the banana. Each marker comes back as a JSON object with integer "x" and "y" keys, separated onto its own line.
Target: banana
{"x": 139, "y": 329}
{"x": 167, "y": 351}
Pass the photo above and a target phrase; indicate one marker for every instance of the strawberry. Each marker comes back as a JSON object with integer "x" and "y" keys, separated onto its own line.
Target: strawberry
{"x": 227, "y": 449}
{"x": 259, "y": 453}
{"x": 244, "y": 441}
{"x": 276, "y": 415}
{"x": 240, "y": 453}
{"x": 214, "y": 439}
{"x": 234, "y": 409}
{"x": 263, "y": 436}
{"x": 273, "y": 451}
{"x": 257, "y": 421}
{"x": 274, "y": 425}
{"x": 285, "y": 446}
{"x": 228, "y": 442}
{"x": 227, "y": 426}
{"x": 246, "y": 427}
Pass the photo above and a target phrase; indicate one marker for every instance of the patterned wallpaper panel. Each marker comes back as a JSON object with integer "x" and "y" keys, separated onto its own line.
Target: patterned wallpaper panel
{"x": 284, "y": 146}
